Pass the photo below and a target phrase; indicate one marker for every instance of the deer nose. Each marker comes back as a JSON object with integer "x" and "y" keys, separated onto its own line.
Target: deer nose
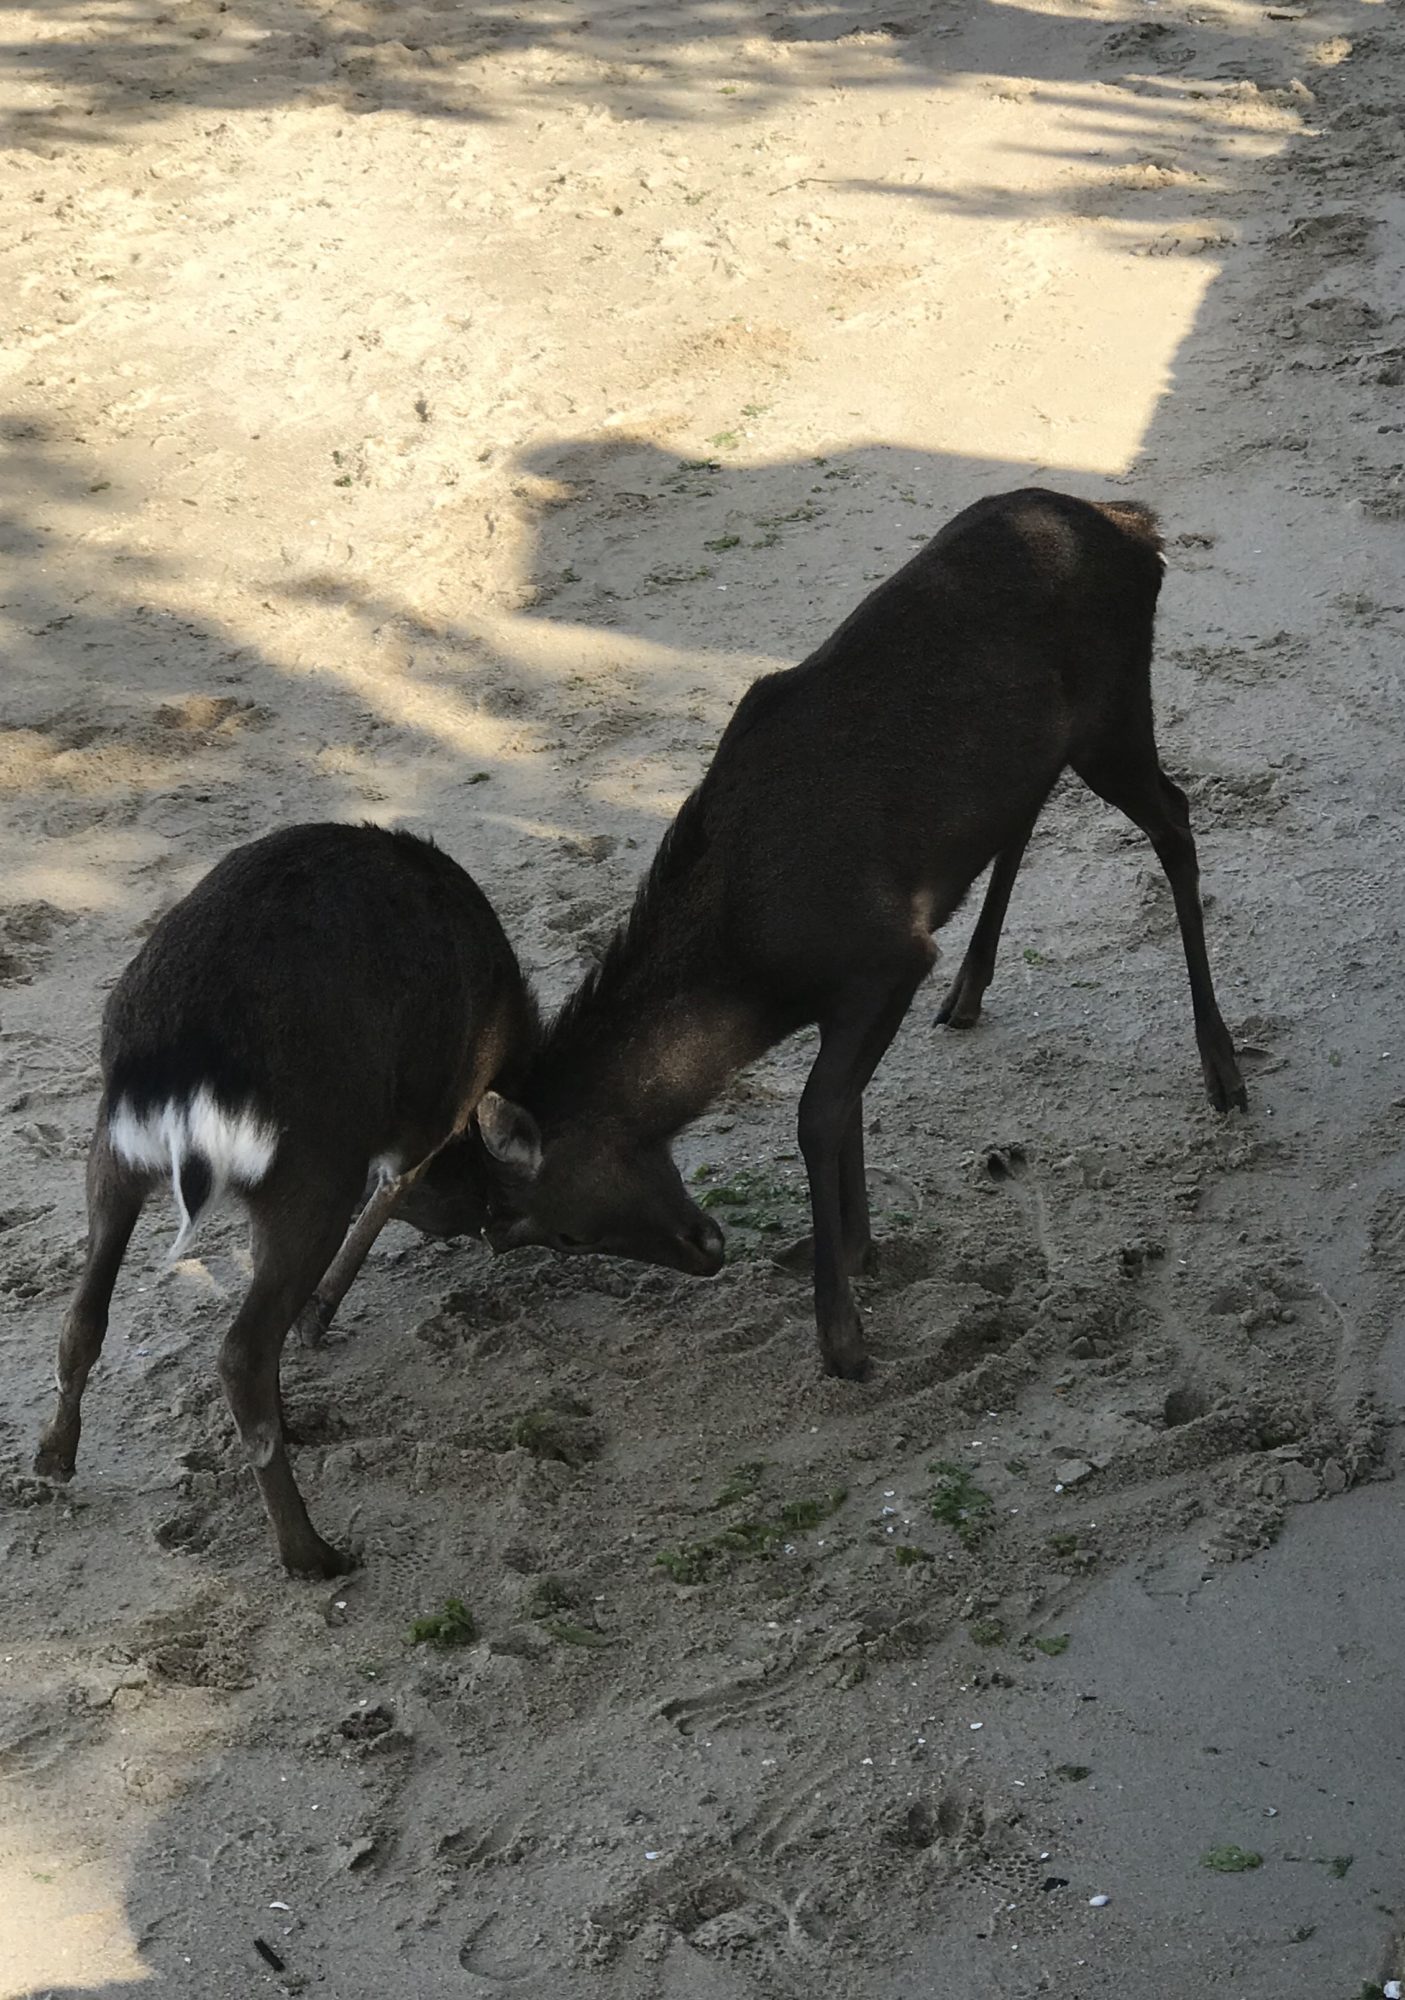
{"x": 707, "y": 1242}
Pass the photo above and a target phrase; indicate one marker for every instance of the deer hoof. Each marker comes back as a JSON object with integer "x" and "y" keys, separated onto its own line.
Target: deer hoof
{"x": 849, "y": 1367}
{"x": 961, "y": 1007}
{"x": 1224, "y": 1085}
{"x": 52, "y": 1462}
{"x": 843, "y": 1351}
{"x": 318, "y": 1559}
{"x": 312, "y": 1323}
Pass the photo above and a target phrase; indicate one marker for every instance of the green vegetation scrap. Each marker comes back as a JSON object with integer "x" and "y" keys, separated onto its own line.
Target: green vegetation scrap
{"x": 1230, "y": 1860}
{"x": 741, "y": 1482}
{"x": 696, "y": 1562}
{"x": 568, "y": 1633}
{"x": 563, "y": 1431}
{"x": 956, "y": 1502}
{"x": 453, "y": 1626}
{"x": 754, "y": 1199}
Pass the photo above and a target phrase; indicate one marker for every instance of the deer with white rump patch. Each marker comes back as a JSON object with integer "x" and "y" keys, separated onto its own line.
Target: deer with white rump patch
{"x": 328, "y": 1006}
{"x": 851, "y": 803}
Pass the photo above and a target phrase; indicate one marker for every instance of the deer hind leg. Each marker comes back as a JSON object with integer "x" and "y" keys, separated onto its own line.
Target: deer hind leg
{"x": 298, "y": 1222}
{"x": 1134, "y": 782}
{"x": 962, "y": 1006}
{"x": 116, "y": 1194}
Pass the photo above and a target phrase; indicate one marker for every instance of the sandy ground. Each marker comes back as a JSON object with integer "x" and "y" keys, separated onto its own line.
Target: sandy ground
{"x": 439, "y": 413}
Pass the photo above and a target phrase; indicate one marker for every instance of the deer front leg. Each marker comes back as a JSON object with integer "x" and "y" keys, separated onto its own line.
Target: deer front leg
{"x": 860, "y": 1250}
{"x": 317, "y": 1315}
{"x": 852, "y": 1044}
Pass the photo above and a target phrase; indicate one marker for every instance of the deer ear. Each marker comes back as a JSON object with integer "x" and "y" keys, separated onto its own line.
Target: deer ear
{"x": 510, "y": 1133}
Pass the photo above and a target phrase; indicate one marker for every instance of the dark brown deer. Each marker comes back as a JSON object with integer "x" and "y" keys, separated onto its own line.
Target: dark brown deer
{"x": 851, "y": 803}
{"x": 327, "y": 1006}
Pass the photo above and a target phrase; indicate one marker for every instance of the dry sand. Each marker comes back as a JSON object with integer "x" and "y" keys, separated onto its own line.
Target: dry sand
{"x": 439, "y": 413}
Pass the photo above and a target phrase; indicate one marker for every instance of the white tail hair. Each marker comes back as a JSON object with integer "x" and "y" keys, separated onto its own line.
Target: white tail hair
{"x": 236, "y": 1148}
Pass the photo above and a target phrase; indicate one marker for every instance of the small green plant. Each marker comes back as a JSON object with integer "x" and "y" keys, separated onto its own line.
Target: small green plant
{"x": 906, "y": 1556}
{"x": 723, "y": 542}
{"x": 553, "y": 1434}
{"x": 1338, "y": 1865}
{"x": 756, "y": 1199}
{"x": 804, "y": 512}
{"x": 726, "y": 439}
{"x": 1016, "y": 1465}
{"x": 571, "y": 1634}
{"x": 453, "y": 1626}
{"x": 1230, "y": 1860}
{"x": 747, "y": 1538}
{"x": 987, "y": 1632}
{"x": 800, "y": 1515}
{"x": 958, "y": 1503}
{"x": 1073, "y": 1774}
{"x": 741, "y": 1188}
{"x": 689, "y": 1564}
{"x": 547, "y": 1596}
{"x": 1033, "y": 957}
{"x": 1053, "y": 1644}
{"x": 694, "y": 1562}
{"x": 535, "y": 1431}
{"x": 741, "y": 1482}
{"x": 1063, "y": 1542}
{"x": 664, "y": 579}
{"x": 755, "y": 409}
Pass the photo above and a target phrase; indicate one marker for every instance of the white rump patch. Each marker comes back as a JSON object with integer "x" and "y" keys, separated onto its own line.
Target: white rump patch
{"x": 237, "y": 1146}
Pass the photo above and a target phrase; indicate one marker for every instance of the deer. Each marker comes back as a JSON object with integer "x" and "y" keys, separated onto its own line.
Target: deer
{"x": 323, "y": 1012}
{"x": 851, "y": 803}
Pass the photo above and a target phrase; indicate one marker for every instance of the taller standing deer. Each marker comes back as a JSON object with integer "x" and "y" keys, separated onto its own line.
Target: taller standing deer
{"x": 851, "y": 803}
